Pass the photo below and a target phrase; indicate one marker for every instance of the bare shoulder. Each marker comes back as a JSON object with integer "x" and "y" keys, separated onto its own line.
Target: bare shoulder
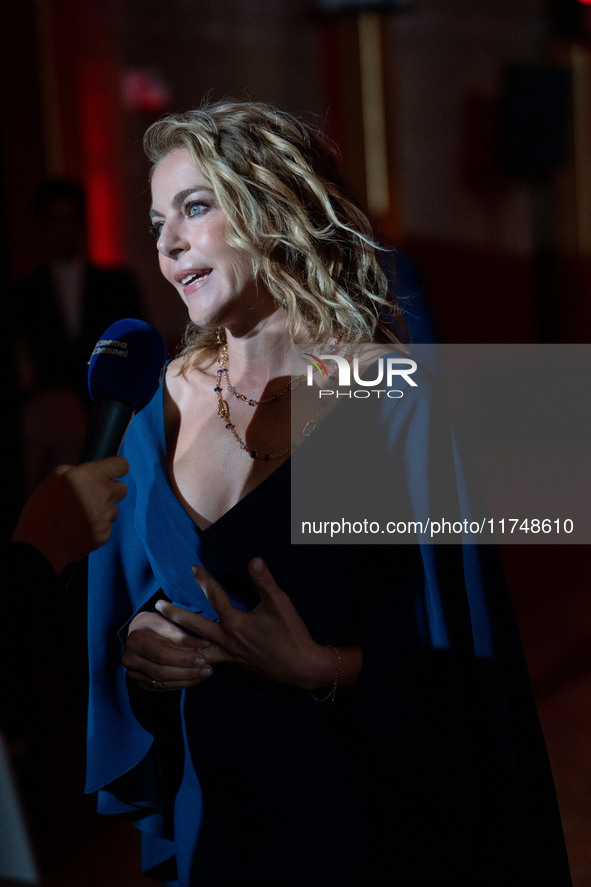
{"x": 184, "y": 383}
{"x": 174, "y": 377}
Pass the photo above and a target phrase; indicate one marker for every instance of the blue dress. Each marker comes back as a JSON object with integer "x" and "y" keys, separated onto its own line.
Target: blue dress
{"x": 431, "y": 772}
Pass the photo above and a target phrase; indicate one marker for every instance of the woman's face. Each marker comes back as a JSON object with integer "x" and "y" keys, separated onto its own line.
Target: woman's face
{"x": 214, "y": 279}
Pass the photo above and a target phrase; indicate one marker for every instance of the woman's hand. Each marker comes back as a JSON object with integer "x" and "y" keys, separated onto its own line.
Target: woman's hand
{"x": 160, "y": 656}
{"x": 271, "y": 640}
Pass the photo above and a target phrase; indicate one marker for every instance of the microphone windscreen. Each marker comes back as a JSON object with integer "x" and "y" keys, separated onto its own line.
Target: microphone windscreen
{"x": 126, "y": 363}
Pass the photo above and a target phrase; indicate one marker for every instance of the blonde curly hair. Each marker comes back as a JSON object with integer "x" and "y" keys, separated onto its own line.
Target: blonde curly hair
{"x": 278, "y": 182}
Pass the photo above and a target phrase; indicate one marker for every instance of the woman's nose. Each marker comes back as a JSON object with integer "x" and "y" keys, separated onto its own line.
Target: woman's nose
{"x": 172, "y": 242}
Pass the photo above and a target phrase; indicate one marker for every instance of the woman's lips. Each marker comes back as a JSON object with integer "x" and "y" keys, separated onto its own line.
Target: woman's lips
{"x": 192, "y": 280}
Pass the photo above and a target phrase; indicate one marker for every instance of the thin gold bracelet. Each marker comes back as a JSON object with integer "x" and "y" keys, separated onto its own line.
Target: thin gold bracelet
{"x": 330, "y": 696}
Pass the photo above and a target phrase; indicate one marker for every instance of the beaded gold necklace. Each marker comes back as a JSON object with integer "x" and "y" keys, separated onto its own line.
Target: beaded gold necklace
{"x": 223, "y": 376}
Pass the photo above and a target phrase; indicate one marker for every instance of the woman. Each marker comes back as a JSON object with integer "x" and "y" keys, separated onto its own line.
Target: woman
{"x": 346, "y": 715}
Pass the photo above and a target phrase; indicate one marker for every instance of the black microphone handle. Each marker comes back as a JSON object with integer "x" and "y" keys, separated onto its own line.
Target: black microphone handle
{"x": 108, "y": 423}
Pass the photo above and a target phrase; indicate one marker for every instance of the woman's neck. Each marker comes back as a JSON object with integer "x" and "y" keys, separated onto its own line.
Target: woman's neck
{"x": 263, "y": 352}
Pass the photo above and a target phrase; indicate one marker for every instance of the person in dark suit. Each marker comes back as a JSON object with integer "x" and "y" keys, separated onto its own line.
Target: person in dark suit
{"x": 59, "y": 313}
{"x": 68, "y": 515}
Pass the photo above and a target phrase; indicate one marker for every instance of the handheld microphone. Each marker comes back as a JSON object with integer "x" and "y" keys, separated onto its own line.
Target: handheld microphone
{"x": 123, "y": 375}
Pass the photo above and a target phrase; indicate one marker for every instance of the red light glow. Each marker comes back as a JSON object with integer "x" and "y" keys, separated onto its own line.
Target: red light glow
{"x": 100, "y": 150}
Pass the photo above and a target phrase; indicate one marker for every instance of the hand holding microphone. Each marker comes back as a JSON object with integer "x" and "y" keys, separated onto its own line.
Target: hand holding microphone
{"x": 71, "y": 512}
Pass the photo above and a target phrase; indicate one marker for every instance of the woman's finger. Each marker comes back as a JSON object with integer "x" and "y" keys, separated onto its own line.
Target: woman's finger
{"x": 198, "y": 625}
{"x": 264, "y": 581}
{"x": 154, "y": 649}
{"x": 160, "y": 686}
{"x": 213, "y": 591}
{"x": 149, "y": 657}
{"x": 158, "y": 624}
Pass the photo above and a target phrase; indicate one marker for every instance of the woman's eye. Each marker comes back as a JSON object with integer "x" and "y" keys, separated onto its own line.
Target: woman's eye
{"x": 195, "y": 208}
{"x": 155, "y": 229}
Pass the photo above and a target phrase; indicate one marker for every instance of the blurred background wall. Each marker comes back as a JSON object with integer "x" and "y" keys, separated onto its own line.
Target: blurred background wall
{"x": 465, "y": 129}
{"x": 479, "y": 152}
